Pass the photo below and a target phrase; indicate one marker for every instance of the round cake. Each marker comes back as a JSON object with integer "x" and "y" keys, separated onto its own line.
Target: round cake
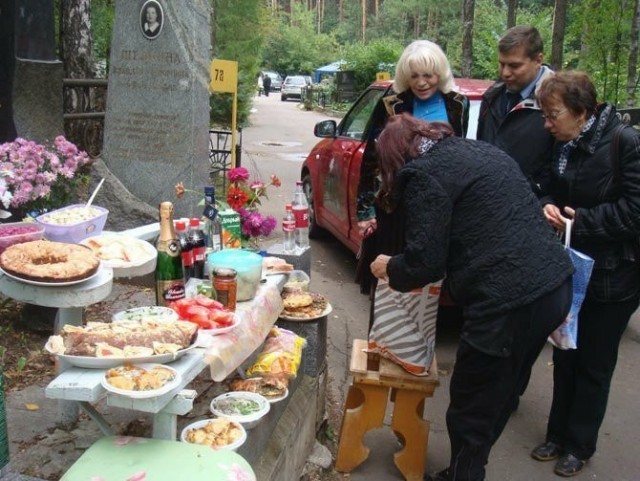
{"x": 46, "y": 261}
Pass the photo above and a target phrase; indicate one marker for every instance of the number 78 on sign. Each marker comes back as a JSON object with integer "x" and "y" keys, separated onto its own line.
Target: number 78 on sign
{"x": 224, "y": 76}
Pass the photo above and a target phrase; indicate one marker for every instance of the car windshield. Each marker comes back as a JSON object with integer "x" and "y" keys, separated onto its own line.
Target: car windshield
{"x": 295, "y": 81}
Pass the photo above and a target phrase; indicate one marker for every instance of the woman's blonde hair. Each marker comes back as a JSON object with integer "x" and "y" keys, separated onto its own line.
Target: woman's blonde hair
{"x": 424, "y": 56}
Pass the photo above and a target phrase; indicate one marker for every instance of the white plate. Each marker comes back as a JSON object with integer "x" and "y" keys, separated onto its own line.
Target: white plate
{"x": 150, "y": 313}
{"x": 107, "y": 362}
{"x": 221, "y": 330}
{"x": 51, "y": 284}
{"x": 139, "y": 267}
{"x": 201, "y": 424}
{"x": 279, "y": 398}
{"x": 326, "y": 312}
{"x": 145, "y": 394}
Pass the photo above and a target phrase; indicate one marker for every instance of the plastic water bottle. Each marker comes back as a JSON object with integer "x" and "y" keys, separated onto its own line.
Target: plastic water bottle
{"x": 301, "y": 214}
{"x": 196, "y": 236}
{"x": 288, "y": 231}
{"x": 187, "y": 249}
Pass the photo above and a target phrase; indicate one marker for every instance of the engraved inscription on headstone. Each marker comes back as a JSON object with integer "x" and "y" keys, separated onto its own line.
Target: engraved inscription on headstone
{"x": 157, "y": 119}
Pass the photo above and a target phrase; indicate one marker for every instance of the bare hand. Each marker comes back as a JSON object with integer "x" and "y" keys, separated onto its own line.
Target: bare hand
{"x": 554, "y": 216}
{"x": 379, "y": 267}
{"x": 370, "y": 224}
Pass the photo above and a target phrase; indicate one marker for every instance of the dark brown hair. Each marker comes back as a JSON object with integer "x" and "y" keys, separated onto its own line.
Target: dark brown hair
{"x": 399, "y": 143}
{"x": 522, "y": 36}
{"x": 575, "y": 89}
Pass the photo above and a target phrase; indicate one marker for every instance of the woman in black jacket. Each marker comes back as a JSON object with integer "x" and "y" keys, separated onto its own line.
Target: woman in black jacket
{"x": 471, "y": 214}
{"x": 424, "y": 85}
{"x": 595, "y": 180}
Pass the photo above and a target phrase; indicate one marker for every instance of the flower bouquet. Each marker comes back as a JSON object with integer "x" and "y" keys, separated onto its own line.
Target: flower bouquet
{"x": 244, "y": 198}
{"x": 35, "y": 178}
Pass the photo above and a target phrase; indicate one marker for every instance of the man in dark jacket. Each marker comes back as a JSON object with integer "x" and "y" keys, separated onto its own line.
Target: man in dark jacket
{"x": 510, "y": 117}
{"x": 266, "y": 84}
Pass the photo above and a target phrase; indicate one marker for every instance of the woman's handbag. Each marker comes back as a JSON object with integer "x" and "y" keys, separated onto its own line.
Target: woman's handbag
{"x": 566, "y": 336}
{"x": 404, "y": 326}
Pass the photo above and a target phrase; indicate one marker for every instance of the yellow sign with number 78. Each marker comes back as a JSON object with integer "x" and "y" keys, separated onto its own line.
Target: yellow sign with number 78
{"x": 224, "y": 76}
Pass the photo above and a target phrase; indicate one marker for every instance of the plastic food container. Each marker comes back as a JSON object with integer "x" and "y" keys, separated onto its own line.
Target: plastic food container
{"x": 248, "y": 266}
{"x": 201, "y": 425}
{"x": 297, "y": 281}
{"x": 73, "y": 223}
{"x": 247, "y": 408}
{"x": 147, "y": 313}
{"x": 18, "y": 232}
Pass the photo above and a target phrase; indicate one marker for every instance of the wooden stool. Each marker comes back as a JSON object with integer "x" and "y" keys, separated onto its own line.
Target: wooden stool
{"x": 365, "y": 408}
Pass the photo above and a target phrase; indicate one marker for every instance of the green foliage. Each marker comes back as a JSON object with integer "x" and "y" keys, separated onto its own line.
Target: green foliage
{"x": 603, "y": 44}
{"x": 296, "y": 48}
{"x": 102, "y": 18}
{"x": 243, "y": 45}
{"x": 367, "y": 60}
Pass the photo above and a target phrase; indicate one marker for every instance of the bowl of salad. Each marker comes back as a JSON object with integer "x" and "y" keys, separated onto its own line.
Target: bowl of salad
{"x": 146, "y": 313}
{"x": 247, "y": 408}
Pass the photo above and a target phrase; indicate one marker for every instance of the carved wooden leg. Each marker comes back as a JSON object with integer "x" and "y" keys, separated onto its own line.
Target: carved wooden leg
{"x": 408, "y": 423}
{"x": 364, "y": 410}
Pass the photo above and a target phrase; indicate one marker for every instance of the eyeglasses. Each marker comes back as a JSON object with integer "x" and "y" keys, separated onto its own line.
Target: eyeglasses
{"x": 553, "y": 116}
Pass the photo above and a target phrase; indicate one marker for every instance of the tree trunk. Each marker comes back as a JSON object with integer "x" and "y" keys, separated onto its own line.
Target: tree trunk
{"x": 557, "y": 37}
{"x": 512, "y": 13}
{"x": 76, "y": 42}
{"x": 468, "y": 7}
{"x": 632, "y": 72}
{"x": 364, "y": 21}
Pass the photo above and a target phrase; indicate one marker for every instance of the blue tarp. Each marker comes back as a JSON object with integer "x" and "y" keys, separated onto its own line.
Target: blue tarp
{"x": 330, "y": 69}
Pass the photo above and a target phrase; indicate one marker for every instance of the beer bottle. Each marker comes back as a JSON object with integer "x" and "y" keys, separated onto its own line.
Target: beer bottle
{"x": 169, "y": 272}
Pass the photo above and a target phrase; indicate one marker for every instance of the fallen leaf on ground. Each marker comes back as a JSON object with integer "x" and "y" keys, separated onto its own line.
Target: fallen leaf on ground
{"x": 32, "y": 406}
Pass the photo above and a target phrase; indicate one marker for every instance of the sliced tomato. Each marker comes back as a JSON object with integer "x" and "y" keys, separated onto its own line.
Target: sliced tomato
{"x": 223, "y": 318}
{"x": 207, "y": 302}
{"x": 180, "y": 306}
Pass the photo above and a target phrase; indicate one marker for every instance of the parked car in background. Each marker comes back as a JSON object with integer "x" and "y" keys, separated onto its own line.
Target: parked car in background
{"x": 276, "y": 79}
{"x": 292, "y": 87}
{"x": 331, "y": 171}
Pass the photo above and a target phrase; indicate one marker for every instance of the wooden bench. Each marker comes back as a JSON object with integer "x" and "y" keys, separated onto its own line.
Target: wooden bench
{"x": 366, "y": 405}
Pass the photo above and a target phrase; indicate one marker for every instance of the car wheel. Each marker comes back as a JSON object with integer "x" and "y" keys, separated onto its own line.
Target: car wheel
{"x": 283, "y": 98}
{"x": 315, "y": 231}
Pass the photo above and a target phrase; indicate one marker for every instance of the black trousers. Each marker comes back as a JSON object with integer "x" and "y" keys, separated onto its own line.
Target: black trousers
{"x": 582, "y": 377}
{"x": 484, "y": 388}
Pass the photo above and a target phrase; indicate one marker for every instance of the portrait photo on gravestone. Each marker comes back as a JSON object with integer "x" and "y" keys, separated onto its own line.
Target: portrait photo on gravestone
{"x": 151, "y": 18}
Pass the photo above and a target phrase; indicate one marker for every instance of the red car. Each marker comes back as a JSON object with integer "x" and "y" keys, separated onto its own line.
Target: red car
{"x": 331, "y": 171}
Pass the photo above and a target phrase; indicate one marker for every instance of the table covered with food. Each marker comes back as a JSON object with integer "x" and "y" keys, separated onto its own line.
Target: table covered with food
{"x": 146, "y": 357}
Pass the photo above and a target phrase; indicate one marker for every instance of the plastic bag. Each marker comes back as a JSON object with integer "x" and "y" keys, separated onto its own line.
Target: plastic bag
{"x": 566, "y": 336}
{"x": 404, "y": 326}
{"x": 281, "y": 354}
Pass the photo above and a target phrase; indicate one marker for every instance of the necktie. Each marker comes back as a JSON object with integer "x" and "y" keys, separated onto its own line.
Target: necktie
{"x": 511, "y": 99}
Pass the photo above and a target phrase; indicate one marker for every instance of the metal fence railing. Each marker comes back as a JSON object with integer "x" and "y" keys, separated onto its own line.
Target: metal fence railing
{"x": 220, "y": 160}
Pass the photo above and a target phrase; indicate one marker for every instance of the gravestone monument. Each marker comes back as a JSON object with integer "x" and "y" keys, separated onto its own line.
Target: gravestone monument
{"x": 30, "y": 74}
{"x": 157, "y": 119}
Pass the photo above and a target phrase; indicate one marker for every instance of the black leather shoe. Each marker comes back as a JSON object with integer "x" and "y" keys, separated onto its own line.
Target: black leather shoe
{"x": 440, "y": 476}
{"x": 546, "y": 451}
{"x": 568, "y": 465}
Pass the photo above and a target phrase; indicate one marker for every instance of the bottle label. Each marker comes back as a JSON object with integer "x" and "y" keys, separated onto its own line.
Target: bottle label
{"x": 210, "y": 212}
{"x": 198, "y": 254}
{"x": 187, "y": 258}
{"x": 170, "y": 247}
{"x": 169, "y": 291}
{"x": 288, "y": 225}
{"x": 302, "y": 217}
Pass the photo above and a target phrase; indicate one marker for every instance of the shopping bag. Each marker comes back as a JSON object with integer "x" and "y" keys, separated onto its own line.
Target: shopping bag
{"x": 404, "y": 326}
{"x": 566, "y": 336}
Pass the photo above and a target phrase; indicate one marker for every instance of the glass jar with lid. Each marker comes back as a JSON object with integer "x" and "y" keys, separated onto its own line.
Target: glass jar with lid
{"x": 226, "y": 286}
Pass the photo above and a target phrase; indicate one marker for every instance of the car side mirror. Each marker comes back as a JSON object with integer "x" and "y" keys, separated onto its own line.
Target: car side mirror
{"x": 325, "y": 129}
